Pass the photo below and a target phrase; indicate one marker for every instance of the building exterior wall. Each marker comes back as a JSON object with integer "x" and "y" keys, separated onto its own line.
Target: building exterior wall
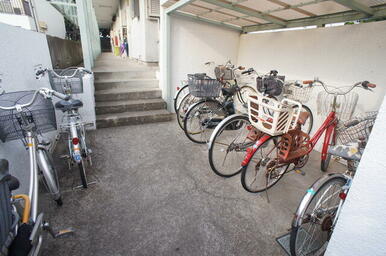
{"x": 22, "y": 21}
{"x": 142, "y": 31}
{"x": 17, "y": 63}
{"x": 46, "y": 13}
{"x": 43, "y": 12}
{"x": 195, "y": 43}
{"x": 337, "y": 55}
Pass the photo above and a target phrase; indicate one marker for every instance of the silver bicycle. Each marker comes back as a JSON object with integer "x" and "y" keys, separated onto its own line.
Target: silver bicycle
{"x": 69, "y": 82}
{"x": 25, "y": 115}
{"x": 320, "y": 207}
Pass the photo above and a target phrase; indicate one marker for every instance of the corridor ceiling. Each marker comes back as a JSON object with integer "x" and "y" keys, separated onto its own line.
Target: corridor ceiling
{"x": 104, "y": 11}
{"x": 258, "y": 15}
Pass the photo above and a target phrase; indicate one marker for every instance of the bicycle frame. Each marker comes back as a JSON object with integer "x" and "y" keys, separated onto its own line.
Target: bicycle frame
{"x": 327, "y": 127}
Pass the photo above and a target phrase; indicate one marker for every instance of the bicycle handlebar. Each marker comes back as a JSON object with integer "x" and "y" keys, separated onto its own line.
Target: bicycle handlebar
{"x": 41, "y": 72}
{"x": 365, "y": 84}
{"x": 47, "y": 93}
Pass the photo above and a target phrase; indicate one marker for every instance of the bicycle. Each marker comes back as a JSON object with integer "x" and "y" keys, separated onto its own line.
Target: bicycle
{"x": 184, "y": 99}
{"x": 227, "y": 145}
{"x": 284, "y": 143}
{"x": 24, "y": 115}
{"x": 320, "y": 207}
{"x": 69, "y": 82}
{"x": 207, "y": 113}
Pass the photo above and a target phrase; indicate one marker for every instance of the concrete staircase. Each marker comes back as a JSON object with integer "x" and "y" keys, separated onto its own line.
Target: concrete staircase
{"x": 127, "y": 93}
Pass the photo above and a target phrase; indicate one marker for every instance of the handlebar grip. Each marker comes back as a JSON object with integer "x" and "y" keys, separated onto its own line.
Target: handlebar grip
{"x": 61, "y": 95}
{"x": 40, "y": 72}
{"x": 370, "y": 85}
{"x": 308, "y": 81}
{"x": 241, "y": 68}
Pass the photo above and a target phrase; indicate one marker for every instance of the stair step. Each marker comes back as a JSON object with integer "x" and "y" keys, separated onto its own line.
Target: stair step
{"x": 132, "y": 118}
{"x": 127, "y": 94}
{"x": 129, "y": 105}
{"x": 126, "y": 83}
{"x": 132, "y": 74}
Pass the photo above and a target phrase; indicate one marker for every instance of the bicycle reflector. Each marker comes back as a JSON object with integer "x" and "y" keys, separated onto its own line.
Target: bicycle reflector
{"x": 342, "y": 195}
{"x": 178, "y": 88}
{"x": 75, "y": 141}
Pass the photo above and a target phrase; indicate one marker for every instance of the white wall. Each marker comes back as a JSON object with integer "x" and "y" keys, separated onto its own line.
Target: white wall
{"x": 143, "y": 34}
{"x": 53, "y": 18}
{"x": 194, "y": 43}
{"x": 361, "y": 228}
{"x": 17, "y": 61}
{"x": 337, "y": 55}
{"x": 22, "y": 21}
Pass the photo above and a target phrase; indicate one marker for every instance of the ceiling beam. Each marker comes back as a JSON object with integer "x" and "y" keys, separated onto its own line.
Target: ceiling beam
{"x": 379, "y": 12}
{"x": 247, "y": 11}
{"x": 357, "y": 6}
{"x": 197, "y": 18}
{"x": 177, "y": 6}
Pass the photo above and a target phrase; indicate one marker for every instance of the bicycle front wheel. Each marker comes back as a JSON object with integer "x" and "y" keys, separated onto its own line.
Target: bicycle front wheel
{"x": 202, "y": 118}
{"x": 228, "y": 144}
{"x": 82, "y": 172}
{"x": 315, "y": 218}
{"x": 307, "y": 126}
{"x": 264, "y": 169}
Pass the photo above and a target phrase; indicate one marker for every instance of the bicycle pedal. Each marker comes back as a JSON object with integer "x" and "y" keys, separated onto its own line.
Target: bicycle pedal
{"x": 299, "y": 171}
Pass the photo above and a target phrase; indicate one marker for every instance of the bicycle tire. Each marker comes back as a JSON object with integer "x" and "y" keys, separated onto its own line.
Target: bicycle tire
{"x": 248, "y": 168}
{"x": 325, "y": 163}
{"x": 306, "y": 202}
{"x": 82, "y": 172}
{"x": 230, "y": 121}
{"x": 178, "y": 95}
{"x": 196, "y": 108}
{"x": 185, "y": 103}
{"x": 49, "y": 175}
{"x": 310, "y": 119}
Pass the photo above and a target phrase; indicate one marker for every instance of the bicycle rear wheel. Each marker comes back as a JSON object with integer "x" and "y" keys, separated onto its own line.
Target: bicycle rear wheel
{"x": 264, "y": 169}
{"x": 202, "y": 118}
{"x": 228, "y": 144}
{"x": 179, "y": 96}
{"x": 315, "y": 217}
{"x": 187, "y": 101}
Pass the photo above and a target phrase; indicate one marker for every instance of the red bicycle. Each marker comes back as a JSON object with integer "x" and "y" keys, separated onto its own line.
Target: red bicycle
{"x": 284, "y": 143}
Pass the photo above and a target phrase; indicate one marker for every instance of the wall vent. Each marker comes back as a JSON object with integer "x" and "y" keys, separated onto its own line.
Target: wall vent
{"x": 153, "y": 8}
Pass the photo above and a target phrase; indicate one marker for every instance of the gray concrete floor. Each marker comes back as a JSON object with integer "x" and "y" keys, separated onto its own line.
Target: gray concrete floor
{"x": 156, "y": 195}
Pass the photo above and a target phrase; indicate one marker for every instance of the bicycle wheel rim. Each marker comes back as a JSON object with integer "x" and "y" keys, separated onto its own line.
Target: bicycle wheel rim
{"x": 200, "y": 118}
{"x": 228, "y": 146}
{"x": 301, "y": 234}
{"x": 255, "y": 177}
{"x": 179, "y": 96}
{"x": 186, "y": 102}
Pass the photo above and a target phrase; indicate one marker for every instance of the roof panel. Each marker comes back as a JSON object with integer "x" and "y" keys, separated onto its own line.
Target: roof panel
{"x": 289, "y": 14}
{"x": 261, "y": 5}
{"x": 373, "y": 2}
{"x": 240, "y": 22}
{"x": 327, "y": 7}
{"x": 193, "y": 9}
{"x": 206, "y": 5}
{"x": 217, "y": 16}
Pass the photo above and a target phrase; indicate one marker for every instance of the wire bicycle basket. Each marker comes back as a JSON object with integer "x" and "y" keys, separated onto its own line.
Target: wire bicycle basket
{"x": 271, "y": 116}
{"x": 345, "y": 104}
{"x": 298, "y": 93}
{"x": 360, "y": 131}
{"x": 224, "y": 73}
{"x": 41, "y": 114}
{"x": 73, "y": 85}
{"x": 203, "y": 86}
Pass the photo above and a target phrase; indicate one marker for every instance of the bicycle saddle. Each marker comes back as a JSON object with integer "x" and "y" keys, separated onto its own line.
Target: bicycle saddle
{"x": 350, "y": 151}
{"x": 66, "y": 105}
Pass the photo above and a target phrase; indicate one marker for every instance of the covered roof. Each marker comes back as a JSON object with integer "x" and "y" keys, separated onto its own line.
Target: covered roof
{"x": 258, "y": 15}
